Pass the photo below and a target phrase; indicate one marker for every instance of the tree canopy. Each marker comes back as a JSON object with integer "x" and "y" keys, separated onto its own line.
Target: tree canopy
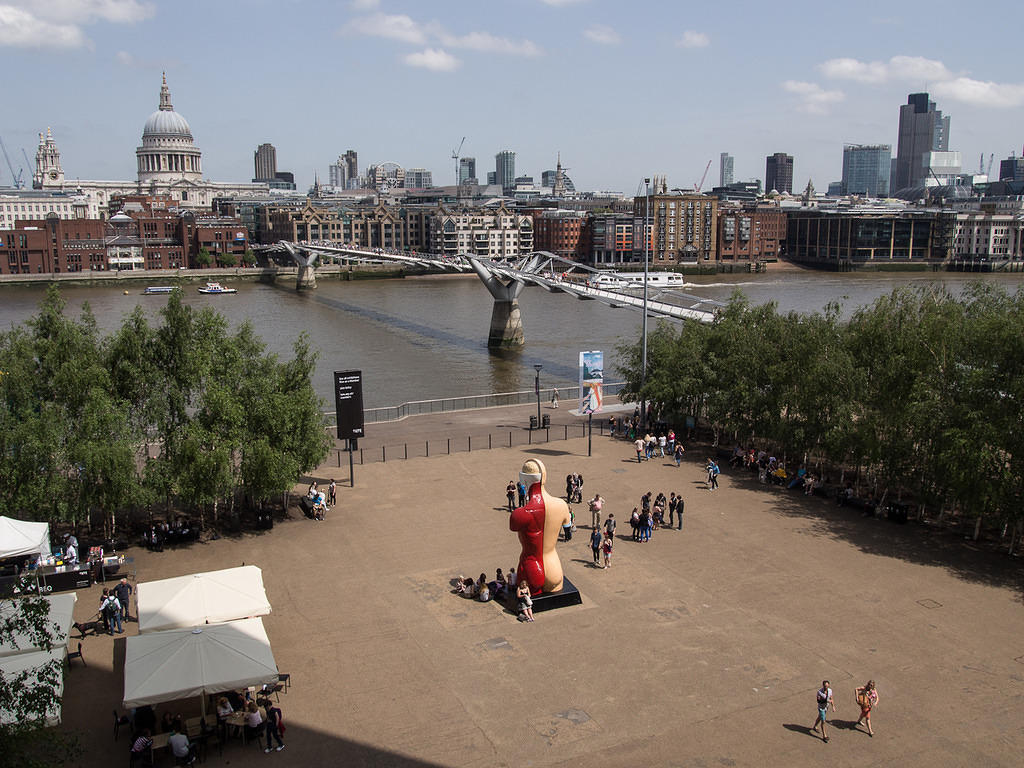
{"x": 186, "y": 411}
{"x": 922, "y": 387}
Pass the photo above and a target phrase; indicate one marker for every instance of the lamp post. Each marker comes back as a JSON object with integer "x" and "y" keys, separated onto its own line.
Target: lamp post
{"x": 536, "y": 389}
{"x": 643, "y": 332}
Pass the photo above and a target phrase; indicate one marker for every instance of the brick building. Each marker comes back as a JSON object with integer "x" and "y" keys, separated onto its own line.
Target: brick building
{"x": 563, "y": 233}
{"x": 750, "y": 232}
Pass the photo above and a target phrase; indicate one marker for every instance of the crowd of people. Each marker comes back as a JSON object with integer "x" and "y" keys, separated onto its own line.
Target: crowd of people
{"x": 649, "y": 515}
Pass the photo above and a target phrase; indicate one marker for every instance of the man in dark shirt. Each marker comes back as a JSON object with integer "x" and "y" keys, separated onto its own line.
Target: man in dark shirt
{"x": 123, "y": 592}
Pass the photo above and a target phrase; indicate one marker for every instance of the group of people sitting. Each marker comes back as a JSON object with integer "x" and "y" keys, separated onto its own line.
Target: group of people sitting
{"x": 503, "y": 588}
{"x": 261, "y": 717}
{"x": 176, "y": 532}
{"x": 322, "y": 502}
{"x": 183, "y": 748}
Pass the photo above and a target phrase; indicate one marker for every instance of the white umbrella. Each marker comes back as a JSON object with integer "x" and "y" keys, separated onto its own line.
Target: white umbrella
{"x": 202, "y": 598}
{"x": 181, "y": 663}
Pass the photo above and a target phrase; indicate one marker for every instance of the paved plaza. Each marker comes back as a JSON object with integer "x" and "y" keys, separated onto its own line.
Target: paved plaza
{"x": 701, "y": 648}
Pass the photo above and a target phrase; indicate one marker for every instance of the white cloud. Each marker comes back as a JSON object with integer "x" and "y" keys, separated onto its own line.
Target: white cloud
{"x": 21, "y": 29}
{"x": 981, "y": 93}
{"x": 927, "y": 73}
{"x": 434, "y": 59}
{"x": 851, "y": 69}
{"x": 408, "y": 30}
{"x": 814, "y": 99}
{"x": 87, "y": 11}
{"x": 392, "y": 26}
{"x": 58, "y": 23}
{"x": 602, "y": 33}
{"x": 485, "y": 41}
{"x": 692, "y": 39}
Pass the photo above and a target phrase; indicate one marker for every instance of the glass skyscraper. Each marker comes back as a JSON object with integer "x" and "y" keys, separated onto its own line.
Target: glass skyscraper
{"x": 725, "y": 175}
{"x": 866, "y": 169}
{"x": 505, "y": 170}
{"x": 923, "y": 129}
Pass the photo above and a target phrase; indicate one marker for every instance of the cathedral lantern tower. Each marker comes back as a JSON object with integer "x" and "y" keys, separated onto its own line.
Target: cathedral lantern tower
{"x": 168, "y": 153}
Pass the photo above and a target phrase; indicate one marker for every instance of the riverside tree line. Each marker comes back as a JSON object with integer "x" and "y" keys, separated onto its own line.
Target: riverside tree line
{"x": 185, "y": 413}
{"x": 921, "y": 392}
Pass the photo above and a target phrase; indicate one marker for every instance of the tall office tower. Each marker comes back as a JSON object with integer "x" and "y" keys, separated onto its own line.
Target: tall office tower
{"x": 265, "y": 158}
{"x": 866, "y": 169}
{"x": 467, "y": 170}
{"x": 337, "y": 174}
{"x": 505, "y": 170}
{"x": 547, "y": 179}
{"x": 778, "y": 173}
{"x": 923, "y": 129}
{"x": 1011, "y": 169}
{"x": 725, "y": 169}
{"x": 352, "y": 161}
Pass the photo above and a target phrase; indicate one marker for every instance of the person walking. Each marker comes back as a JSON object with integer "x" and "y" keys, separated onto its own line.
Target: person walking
{"x": 678, "y": 453}
{"x": 595, "y": 543}
{"x": 274, "y": 725}
{"x": 825, "y": 700}
{"x": 596, "y": 505}
{"x": 679, "y": 512}
{"x": 521, "y": 491}
{"x": 609, "y": 525}
{"x": 639, "y": 445}
{"x": 332, "y": 493}
{"x": 671, "y": 442}
{"x": 554, "y": 398}
{"x": 867, "y": 698}
{"x": 606, "y": 546}
{"x": 111, "y": 608}
{"x": 510, "y": 493}
{"x": 662, "y": 442}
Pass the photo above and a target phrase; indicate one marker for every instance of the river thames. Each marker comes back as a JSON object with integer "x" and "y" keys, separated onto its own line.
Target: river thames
{"x": 424, "y": 338}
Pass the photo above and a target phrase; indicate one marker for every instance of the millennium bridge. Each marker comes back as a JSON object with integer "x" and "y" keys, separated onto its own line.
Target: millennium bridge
{"x": 504, "y": 279}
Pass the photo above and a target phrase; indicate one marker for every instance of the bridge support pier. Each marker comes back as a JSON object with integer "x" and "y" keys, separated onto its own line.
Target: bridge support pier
{"x": 306, "y": 277}
{"x": 506, "y": 325}
{"x": 506, "y": 319}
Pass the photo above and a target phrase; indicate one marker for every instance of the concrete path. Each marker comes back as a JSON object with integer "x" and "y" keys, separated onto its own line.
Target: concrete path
{"x": 700, "y": 648}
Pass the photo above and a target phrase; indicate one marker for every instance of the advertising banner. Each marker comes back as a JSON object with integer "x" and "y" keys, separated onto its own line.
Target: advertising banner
{"x": 591, "y": 381}
{"x": 348, "y": 402}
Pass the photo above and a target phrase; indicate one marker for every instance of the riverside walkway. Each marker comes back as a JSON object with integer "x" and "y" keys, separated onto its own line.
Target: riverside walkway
{"x": 700, "y": 648}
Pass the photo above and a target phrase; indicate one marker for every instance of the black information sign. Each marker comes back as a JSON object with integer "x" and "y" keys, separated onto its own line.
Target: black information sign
{"x": 348, "y": 402}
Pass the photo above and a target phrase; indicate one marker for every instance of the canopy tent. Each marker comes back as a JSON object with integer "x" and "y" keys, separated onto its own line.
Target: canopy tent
{"x": 20, "y": 538}
{"x": 201, "y": 598}
{"x": 61, "y": 609}
{"x": 181, "y": 663}
{"x": 33, "y": 664}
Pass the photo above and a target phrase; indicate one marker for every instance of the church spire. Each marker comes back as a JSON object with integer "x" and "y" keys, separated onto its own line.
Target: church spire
{"x": 165, "y": 96}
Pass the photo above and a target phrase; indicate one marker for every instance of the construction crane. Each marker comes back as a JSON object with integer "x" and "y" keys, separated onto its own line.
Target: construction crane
{"x": 455, "y": 157}
{"x": 700, "y": 184}
{"x": 15, "y": 177}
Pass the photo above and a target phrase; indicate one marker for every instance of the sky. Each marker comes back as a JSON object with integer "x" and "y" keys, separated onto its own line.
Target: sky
{"x": 622, "y": 90}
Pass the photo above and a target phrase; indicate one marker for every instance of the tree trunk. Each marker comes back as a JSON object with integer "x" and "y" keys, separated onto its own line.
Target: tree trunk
{"x": 977, "y": 529}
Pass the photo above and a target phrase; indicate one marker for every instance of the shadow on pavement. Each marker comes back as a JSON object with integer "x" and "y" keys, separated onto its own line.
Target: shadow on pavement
{"x": 913, "y": 542}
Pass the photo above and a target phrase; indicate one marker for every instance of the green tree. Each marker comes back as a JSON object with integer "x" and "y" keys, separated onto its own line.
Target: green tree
{"x": 203, "y": 258}
{"x": 27, "y": 698}
{"x": 226, "y": 259}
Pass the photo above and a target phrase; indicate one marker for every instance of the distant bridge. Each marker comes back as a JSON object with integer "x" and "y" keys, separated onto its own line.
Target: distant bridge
{"x": 505, "y": 280}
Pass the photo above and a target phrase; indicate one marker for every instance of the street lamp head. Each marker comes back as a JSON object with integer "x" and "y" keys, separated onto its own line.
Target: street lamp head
{"x": 537, "y": 367}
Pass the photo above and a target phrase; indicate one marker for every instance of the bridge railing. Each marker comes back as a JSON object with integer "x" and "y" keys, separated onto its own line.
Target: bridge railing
{"x": 469, "y": 402}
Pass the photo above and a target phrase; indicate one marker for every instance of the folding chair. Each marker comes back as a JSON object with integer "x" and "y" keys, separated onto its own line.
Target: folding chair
{"x": 77, "y": 655}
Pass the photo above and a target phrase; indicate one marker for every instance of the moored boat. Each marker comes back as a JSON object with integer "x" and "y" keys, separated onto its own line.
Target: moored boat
{"x": 151, "y": 289}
